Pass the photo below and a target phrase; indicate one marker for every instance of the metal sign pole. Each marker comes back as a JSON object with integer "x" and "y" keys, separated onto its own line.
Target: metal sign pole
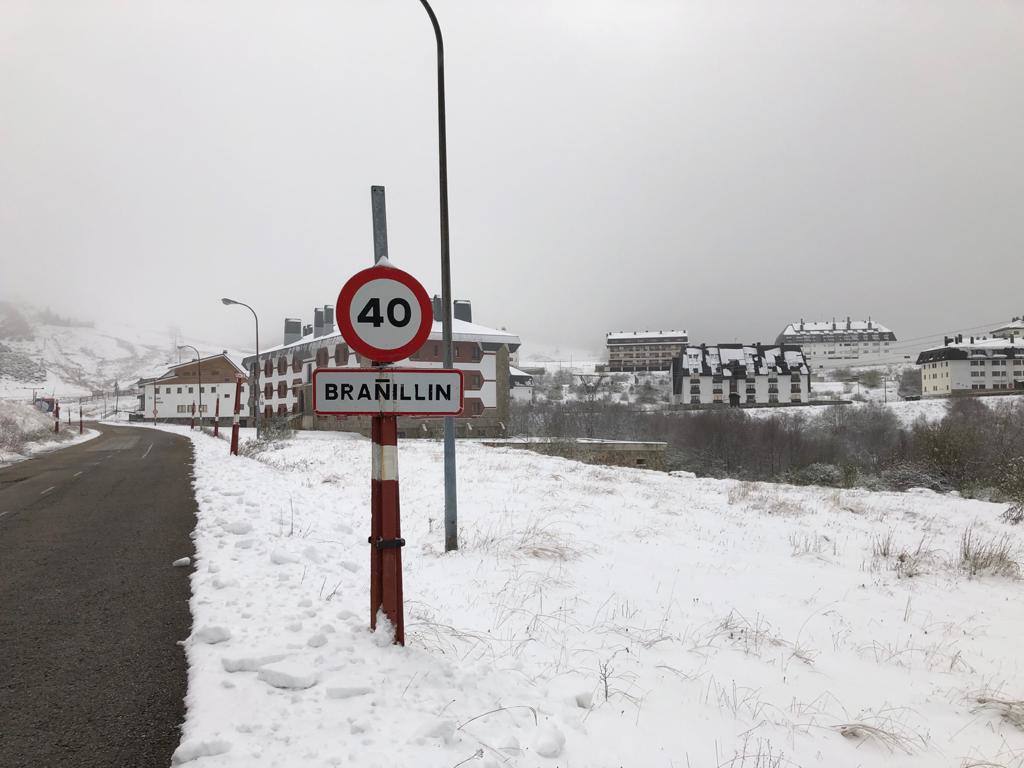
{"x": 386, "y": 540}
{"x": 216, "y": 417}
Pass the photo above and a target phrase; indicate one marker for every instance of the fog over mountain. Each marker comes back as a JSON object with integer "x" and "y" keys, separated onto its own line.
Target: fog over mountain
{"x": 725, "y": 168}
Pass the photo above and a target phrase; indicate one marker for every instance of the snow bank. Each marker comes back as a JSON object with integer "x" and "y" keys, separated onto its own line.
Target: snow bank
{"x": 594, "y": 617}
{"x": 26, "y": 431}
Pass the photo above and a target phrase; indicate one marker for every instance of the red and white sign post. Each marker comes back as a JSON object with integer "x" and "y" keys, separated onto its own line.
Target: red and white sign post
{"x": 234, "y": 419}
{"x": 385, "y": 315}
{"x": 216, "y": 417}
{"x": 56, "y": 416}
{"x": 192, "y": 424}
{"x": 80, "y": 428}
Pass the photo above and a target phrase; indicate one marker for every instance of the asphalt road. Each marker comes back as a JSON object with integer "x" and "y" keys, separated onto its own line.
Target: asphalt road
{"x": 91, "y": 611}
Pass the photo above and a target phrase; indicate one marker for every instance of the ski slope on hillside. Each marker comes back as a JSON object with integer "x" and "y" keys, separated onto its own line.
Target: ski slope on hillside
{"x": 69, "y": 361}
{"x": 593, "y": 617}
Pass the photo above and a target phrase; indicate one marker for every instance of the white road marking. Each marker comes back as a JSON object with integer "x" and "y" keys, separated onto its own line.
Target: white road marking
{"x": 5, "y": 513}
{"x": 147, "y": 451}
{"x": 48, "y": 490}
{"x": 79, "y": 473}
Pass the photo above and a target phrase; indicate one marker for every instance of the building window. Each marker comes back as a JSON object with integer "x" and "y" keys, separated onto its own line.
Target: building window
{"x": 282, "y": 364}
{"x": 179, "y": 390}
{"x": 296, "y": 363}
{"x": 213, "y": 389}
{"x": 340, "y": 354}
{"x": 321, "y": 357}
{"x": 190, "y": 390}
{"x": 167, "y": 390}
{"x": 268, "y": 367}
{"x": 282, "y": 389}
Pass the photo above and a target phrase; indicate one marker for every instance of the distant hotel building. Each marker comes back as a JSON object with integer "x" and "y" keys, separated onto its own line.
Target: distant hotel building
{"x": 840, "y": 344}
{"x": 975, "y": 366}
{"x": 740, "y": 374}
{"x": 634, "y": 351}
{"x": 286, "y": 373}
{"x": 1013, "y": 328}
{"x": 194, "y": 385}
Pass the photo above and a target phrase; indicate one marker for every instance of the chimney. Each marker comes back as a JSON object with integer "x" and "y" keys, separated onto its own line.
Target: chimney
{"x": 318, "y": 322}
{"x": 328, "y": 319}
{"x": 292, "y": 330}
{"x": 870, "y": 324}
{"x": 833, "y": 323}
{"x": 848, "y": 325}
{"x": 463, "y": 310}
{"x": 959, "y": 338}
{"x": 801, "y": 323}
{"x": 307, "y": 329}
{"x": 946, "y": 341}
{"x": 972, "y": 339}
{"x": 437, "y": 308}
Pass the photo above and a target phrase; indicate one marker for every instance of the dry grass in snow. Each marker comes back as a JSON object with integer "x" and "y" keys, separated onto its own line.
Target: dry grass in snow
{"x": 596, "y": 617}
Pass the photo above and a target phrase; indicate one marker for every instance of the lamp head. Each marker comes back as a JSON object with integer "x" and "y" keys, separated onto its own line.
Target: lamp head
{"x": 228, "y": 301}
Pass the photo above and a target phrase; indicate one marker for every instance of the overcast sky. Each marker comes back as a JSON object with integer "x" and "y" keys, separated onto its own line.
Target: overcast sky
{"x": 724, "y": 167}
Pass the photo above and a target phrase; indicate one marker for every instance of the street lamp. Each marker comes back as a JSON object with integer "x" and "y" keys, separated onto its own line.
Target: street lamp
{"x": 451, "y": 526}
{"x": 199, "y": 368}
{"x": 256, "y": 366}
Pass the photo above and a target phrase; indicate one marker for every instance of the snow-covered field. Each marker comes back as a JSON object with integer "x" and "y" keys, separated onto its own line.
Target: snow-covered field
{"x": 594, "y": 616}
{"x": 907, "y": 411}
{"x": 22, "y": 422}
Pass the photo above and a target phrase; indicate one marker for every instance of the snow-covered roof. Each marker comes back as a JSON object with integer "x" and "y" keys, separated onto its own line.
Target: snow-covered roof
{"x": 742, "y": 360}
{"x": 835, "y": 326}
{"x": 1015, "y": 326}
{"x": 461, "y": 331}
{"x": 638, "y": 335}
{"x": 184, "y": 363}
{"x": 977, "y": 347}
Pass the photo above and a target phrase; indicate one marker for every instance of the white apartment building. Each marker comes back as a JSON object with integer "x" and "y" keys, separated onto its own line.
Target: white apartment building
{"x": 634, "y": 351}
{"x": 740, "y": 375}
{"x": 974, "y": 366}
{"x": 195, "y": 384}
{"x": 841, "y": 344}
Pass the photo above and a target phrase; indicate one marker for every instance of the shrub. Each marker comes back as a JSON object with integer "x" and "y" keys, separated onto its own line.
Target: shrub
{"x": 818, "y": 474}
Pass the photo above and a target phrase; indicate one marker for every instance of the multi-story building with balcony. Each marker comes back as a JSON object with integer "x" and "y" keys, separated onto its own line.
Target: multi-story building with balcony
{"x": 641, "y": 351}
{"x": 842, "y": 344}
{"x": 286, "y": 374}
{"x": 740, "y": 375}
{"x": 973, "y": 367}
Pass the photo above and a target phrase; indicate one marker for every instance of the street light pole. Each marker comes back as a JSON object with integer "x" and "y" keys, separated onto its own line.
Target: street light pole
{"x": 451, "y": 514}
{"x": 199, "y": 368}
{"x": 255, "y": 393}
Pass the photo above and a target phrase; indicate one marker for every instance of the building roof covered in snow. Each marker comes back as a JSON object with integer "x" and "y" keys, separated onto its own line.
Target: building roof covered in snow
{"x": 647, "y": 337}
{"x": 1014, "y": 327}
{"x": 960, "y": 348}
{"x": 741, "y": 360}
{"x": 461, "y": 331}
{"x": 812, "y": 331}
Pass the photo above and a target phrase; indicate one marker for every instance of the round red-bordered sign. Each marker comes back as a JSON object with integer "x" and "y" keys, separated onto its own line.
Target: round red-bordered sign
{"x": 384, "y": 313}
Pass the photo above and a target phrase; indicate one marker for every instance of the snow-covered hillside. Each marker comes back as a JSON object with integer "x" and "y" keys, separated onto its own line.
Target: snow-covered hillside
{"x": 56, "y": 356}
{"x": 596, "y": 617}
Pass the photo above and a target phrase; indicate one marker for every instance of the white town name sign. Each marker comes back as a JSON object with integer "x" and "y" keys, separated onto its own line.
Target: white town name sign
{"x": 398, "y": 391}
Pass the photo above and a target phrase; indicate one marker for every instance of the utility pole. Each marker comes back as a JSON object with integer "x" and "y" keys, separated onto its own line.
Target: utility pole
{"x": 451, "y": 512}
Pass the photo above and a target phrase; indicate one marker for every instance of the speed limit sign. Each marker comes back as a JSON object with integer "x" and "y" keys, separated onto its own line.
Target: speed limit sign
{"x": 384, "y": 314}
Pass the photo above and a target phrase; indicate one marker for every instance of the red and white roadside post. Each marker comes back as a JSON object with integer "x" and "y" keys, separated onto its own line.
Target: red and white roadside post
{"x": 234, "y": 419}
{"x": 384, "y": 314}
{"x": 56, "y": 416}
{"x": 192, "y": 424}
{"x": 216, "y": 417}
{"x": 80, "y": 428}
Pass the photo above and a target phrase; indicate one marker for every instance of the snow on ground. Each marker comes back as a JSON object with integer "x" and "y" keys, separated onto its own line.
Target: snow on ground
{"x": 594, "y": 616}
{"x": 26, "y": 431}
{"x": 907, "y": 411}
